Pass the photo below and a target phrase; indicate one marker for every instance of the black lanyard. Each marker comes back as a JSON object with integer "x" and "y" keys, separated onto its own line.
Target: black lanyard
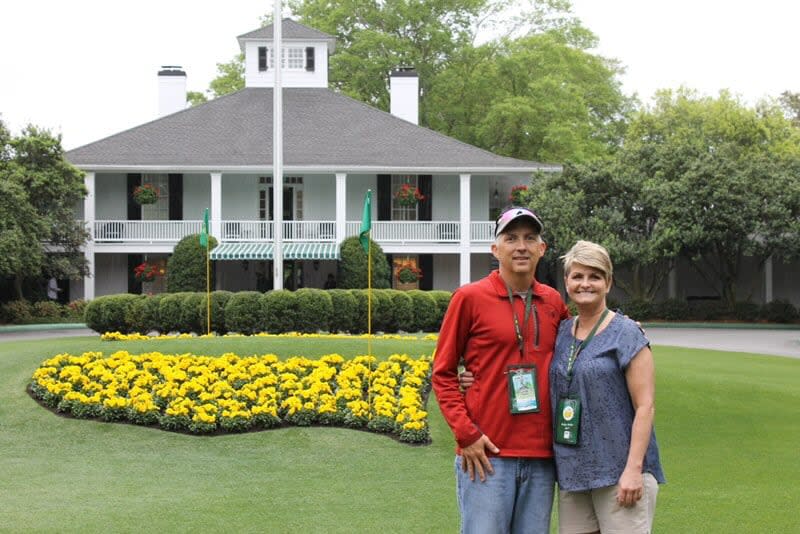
{"x": 519, "y": 332}
{"x": 575, "y": 348}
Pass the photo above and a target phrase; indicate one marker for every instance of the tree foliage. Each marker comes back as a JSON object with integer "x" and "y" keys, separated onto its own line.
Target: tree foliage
{"x": 40, "y": 235}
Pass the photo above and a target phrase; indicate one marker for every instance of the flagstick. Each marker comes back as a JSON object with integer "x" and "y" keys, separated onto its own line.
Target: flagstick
{"x": 208, "y": 287}
{"x": 369, "y": 325}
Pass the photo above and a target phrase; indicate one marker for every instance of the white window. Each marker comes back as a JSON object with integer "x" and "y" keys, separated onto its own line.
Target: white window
{"x": 403, "y": 211}
{"x": 160, "y": 210}
{"x": 293, "y": 58}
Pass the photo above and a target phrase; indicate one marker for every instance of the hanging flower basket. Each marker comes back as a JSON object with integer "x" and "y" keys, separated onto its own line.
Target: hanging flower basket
{"x": 408, "y": 195}
{"x": 148, "y": 272}
{"x": 145, "y": 194}
{"x": 408, "y": 273}
{"x": 517, "y": 192}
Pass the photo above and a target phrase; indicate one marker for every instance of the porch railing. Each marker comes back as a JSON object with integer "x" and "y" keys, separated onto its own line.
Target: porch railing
{"x": 396, "y": 232}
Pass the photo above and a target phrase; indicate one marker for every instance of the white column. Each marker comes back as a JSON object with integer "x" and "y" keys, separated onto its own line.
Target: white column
{"x": 89, "y": 203}
{"x": 216, "y": 205}
{"x": 768, "y": 289}
{"x": 672, "y": 282}
{"x": 277, "y": 148}
{"x": 341, "y": 206}
{"x": 464, "y": 220}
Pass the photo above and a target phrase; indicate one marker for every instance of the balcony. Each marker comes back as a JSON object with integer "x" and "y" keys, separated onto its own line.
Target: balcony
{"x": 383, "y": 232}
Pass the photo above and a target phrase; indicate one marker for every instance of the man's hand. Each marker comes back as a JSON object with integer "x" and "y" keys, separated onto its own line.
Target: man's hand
{"x": 473, "y": 458}
{"x": 465, "y": 380}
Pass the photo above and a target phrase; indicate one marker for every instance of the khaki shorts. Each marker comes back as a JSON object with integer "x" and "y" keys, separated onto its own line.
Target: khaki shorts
{"x": 597, "y": 510}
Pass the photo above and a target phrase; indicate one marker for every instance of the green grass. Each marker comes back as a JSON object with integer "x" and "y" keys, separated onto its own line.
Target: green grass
{"x": 726, "y": 423}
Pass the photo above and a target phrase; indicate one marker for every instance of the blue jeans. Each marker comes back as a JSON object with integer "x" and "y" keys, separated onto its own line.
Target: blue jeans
{"x": 516, "y": 499}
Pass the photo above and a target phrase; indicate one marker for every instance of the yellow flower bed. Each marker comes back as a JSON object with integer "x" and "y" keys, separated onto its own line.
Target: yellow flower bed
{"x": 117, "y": 336}
{"x": 231, "y": 393}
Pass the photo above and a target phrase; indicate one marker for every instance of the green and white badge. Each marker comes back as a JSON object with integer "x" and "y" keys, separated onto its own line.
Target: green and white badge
{"x": 523, "y": 391}
{"x": 568, "y": 421}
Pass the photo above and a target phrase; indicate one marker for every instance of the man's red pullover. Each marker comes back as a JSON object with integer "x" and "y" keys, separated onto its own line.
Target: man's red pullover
{"x": 478, "y": 331}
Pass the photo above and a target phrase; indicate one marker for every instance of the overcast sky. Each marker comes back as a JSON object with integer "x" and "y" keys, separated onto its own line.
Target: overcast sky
{"x": 87, "y": 68}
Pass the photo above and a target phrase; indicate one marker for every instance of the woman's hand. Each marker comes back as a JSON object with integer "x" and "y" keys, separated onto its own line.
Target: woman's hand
{"x": 630, "y": 487}
{"x": 465, "y": 380}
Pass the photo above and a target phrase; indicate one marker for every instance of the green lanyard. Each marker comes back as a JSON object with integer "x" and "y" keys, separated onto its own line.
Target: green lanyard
{"x": 575, "y": 348}
{"x": 517, "y": 330}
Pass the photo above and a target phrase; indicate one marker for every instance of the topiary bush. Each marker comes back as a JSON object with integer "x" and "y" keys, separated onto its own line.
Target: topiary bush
{"x": 425, "y": 310}
{"x": 186, "y": 268}
{"x": 314, "y": 310}
{"x": 345, "y": 310}
{"x": 108, "y": 313}
{"x": 779, "y": 311}
{"x": 170, "y": 313}
{"x": 219, "y": 299}
{"x": 442, "y": 299}
{"x": 279, "y": 310}
{"x": 382, "y": 310}
{"x": 402, "y": 317}
{"x": 142, "y": 316}
{"x": 360, "y": 318}
{"x": 190, "y": 313}
{"x": 672, "y": 310}
{"x": 353, "y": 266}
{"x": 243, "y": 313}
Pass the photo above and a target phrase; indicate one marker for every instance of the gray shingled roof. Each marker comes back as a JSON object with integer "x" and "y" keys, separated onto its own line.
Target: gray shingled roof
{"x": 290, "y": 30}
{"x": 322, "y": 129}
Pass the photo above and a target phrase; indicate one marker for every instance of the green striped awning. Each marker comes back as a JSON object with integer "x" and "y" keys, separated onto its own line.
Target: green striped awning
{"x": 242, "y": 251}
{"x": 263, "y": 251}
{"x": 310, "y": 251}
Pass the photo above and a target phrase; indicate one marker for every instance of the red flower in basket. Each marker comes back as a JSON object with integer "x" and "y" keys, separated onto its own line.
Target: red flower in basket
{"x": 408, "y": 195}
{"x": 145, "y": 194}
{"x": 147, "y": 272}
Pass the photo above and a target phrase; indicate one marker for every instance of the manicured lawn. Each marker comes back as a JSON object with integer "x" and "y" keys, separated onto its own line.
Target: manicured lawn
{"x": 727, "y": 425}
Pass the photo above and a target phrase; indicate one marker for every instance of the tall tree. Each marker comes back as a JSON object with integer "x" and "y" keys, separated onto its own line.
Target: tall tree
{"x": 790, "y": 102}
{"x": 45, "y": 236}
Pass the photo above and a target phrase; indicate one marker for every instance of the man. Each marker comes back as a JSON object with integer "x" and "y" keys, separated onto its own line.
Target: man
{"x": 502, "y": 329}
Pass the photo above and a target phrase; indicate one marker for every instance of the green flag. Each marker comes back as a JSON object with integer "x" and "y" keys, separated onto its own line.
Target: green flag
{"x": 366, "y": 221}
{"x": 204, "y": 231}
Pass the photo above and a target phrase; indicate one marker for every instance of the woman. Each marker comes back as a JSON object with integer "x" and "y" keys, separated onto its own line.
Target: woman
{"x": 602, "y": 390}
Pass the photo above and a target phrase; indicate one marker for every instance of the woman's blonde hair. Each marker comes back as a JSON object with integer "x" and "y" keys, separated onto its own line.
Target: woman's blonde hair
{"x": 591, "y": 255}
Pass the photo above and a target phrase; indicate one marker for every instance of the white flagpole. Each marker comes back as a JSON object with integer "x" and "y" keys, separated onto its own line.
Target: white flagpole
{"x": 277, "y": 148}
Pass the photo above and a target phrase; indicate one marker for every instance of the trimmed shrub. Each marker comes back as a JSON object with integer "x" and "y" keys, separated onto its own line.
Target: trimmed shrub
{"x": 672, "y": 310}
{"x": 47, "y": 309}
{"x": 638, "y": 310}
{"x": 279, "y": 310}
{"x": 442, "y": 299}
{"x": 243, "y": 313}
{"x": 170, "y": 313}
{"x": 314, "y": 310}
{"x": 108, "y": 313}
{"x": 746, "y": 311}
{"x": 402, "y": 319}
{"x": 425, "y": 309}
{"x": 186, "y": 267}
{"x": 190, "y": 313}
{"x": 76, "y": 309}
{"x": 708, "y": 310}
{"x": 17, "y": 311}
{"x": 143, "y": 316}
{"x": 382, "y": 311}
{"x": 779, "y": 311}
{"x": 345, "y": 310}
{"x": 353, "y": 266}
{"x": 218, "y": 301}
{"x": 360, "y": 317}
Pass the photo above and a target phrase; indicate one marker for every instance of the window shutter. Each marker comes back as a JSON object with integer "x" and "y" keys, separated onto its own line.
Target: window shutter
{"x": 310, "y": 58}
{"x": 384, "y": 197}
{"x": 134, "y": 285}
{"x": 175, "y": 197}
{"x": 262, "y": 58}
{"x": 134, "y": 209}
{"x": 426, "y": 264}
{"x": 424, "y": 208}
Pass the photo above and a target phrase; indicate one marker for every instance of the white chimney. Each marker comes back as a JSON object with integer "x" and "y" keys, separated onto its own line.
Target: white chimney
{"x": 171, "y": 90}
{"x": 404, "y": 94}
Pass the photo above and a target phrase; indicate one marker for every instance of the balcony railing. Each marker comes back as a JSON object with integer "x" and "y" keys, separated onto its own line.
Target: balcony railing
{"x": 395, "y": 232}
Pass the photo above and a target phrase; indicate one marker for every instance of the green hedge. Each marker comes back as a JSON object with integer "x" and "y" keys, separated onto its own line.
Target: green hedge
{"x": 249, "y": 312}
